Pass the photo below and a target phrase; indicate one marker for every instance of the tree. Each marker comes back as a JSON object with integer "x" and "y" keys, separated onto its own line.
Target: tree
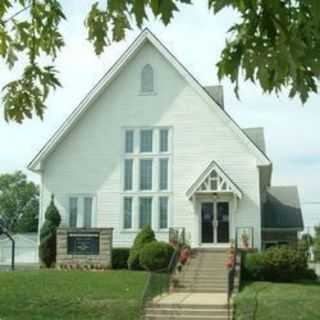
{"x": 316, "y": 243}
{"x": 19, "y": 203}
{"x": 48, "y": 235}
{"x": 275, "y": 43}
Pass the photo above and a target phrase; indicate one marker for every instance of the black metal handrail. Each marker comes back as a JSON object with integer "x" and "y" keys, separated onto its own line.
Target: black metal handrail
{"x": 232, "y": 273}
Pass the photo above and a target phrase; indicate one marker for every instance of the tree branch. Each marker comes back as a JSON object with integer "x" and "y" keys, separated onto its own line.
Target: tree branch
{"x": 17, "y": 13}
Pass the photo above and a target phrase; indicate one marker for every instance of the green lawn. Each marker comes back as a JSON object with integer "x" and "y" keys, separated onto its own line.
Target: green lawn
{"x": 58, "y": 295}
{"x": 278, "y": 301}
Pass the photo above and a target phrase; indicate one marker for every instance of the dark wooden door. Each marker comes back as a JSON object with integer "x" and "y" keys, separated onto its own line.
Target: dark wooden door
{"x": 223, "y": 222}
{"x": 207, "y": 216}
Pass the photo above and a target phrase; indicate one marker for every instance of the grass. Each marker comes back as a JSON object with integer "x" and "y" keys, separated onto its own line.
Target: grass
{"x": 59, "y": 295}
{"x": 278, "y": 301}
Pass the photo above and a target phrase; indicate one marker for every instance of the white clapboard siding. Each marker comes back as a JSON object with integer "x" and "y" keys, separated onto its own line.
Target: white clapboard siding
{"x": 88, "y": 160}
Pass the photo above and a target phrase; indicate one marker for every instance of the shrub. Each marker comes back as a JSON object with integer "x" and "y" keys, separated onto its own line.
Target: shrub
{"x": 278, "y": 264}
{"x": 120, "y": 258}
{"x": 254, "y": 266}
{"x": 284, "y": 264}
{"x": 145, "y": 236}
{"x": 48, "y": 238}
{"x": 156, "y": 255}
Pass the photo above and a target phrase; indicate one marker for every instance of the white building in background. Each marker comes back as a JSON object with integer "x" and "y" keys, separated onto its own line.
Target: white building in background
{"x": 26, "y": 249}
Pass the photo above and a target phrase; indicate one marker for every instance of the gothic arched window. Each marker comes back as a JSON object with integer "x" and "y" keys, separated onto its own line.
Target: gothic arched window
{"x": 147, "y": 81}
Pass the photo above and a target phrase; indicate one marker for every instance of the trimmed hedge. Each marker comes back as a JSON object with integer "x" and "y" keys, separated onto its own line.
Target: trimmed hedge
{"x": 277, "y": 264}
{"x": 146, "y": 235}
{"x": 120, "y": 258}
{"x": 156, "y": 256}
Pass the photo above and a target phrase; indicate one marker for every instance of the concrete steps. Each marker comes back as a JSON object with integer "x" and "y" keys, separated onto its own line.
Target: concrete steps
{"x": 200, "y": 291}
{"x": 205, "y": 272}
{"x": 189, "y": 312}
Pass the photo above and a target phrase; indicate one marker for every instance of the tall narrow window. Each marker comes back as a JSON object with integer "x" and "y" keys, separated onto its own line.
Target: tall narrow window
{"x": 163, "y": 174}
{"x": 146, "y": 174}
{"x": 163, "y": 212}
{"x": 73, "y": 212}
{"x": 146, "y": 140}
{"x": 147, "y": 81}
{"x": 128, "y": 171}
{"x": 129, "y": 141}
{"x": 145, "y": 211}
{"x": 164, "y": 137}
{"x": 87, "y": 205}
{"x": 127, "y": 208}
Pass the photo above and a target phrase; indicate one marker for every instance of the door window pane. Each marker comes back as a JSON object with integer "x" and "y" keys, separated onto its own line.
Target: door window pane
{"x": 129, "y": 141}
{"x": 164, "y": 135}
{"x": 163, "y": 174}
{"x": 87, "y": 219}
{"x": 163, "y": 212}
{"x": 128, "y": 168}
{"x": 146, "y": 140}
{"x": 146, "y": 174}
{"x": 73, "y": 212}
{"x": 127, "y": 207}
{"x": 145, "y": 211}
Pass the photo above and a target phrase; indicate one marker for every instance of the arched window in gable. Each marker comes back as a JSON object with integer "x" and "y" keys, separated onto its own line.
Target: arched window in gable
{"x": 147, "y": 79}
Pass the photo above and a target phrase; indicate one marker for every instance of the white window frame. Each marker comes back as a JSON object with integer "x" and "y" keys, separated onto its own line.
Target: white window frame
{"x": 155, "y": 193}
{"x": 80, "y": 209}
{"x": 132, "y": 211}
{"x": 141, "y": 91}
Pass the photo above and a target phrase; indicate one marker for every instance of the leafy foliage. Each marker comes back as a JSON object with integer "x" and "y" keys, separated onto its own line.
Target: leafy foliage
{"x": 316, "y": 244}
{"x": 155, "y": 256}
{"x": 275, "y": 43}
{"x": 278, "y": 264}
{"x": 146, "y": 235}
{"x": 19, "y": 202}
{"x": 48, "y": 237}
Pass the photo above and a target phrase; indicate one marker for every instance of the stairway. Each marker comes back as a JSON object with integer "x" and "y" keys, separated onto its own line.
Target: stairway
{"x": 187, "y": 312}
{"x": 200, "y": 291}
{"x": 205, "y": 272}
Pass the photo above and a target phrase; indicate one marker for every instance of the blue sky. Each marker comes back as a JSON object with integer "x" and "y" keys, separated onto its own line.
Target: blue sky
{"x": 196, "y": 37}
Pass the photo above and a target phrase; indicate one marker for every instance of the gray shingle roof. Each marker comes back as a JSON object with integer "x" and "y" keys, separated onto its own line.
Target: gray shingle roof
{"x": 257, "y": 136}
{"x": 216, "y": 92}
{"x": 282, "y": 209}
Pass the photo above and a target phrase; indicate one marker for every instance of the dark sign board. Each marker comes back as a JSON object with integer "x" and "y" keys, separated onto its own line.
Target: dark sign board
{"x": 83, "y": 243}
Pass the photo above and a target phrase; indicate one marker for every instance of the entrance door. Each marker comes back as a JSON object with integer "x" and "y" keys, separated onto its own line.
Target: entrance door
{"x": 223, "y": 222}
{"x": 215, "y": 222}
{"x": 207, "y": 218}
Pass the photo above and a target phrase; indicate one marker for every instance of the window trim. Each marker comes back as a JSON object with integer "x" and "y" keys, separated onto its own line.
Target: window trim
{"x": 123, "y": 213}
{"x": 80, "y": 212}
{"x": 152, "y": 141}
{"x": 155, "y": 193}
{"x": 151, "y": 213}
{"x": 168, "y": 212}
{"x": 153, "y": 91}
{"x": 124, "y": 175}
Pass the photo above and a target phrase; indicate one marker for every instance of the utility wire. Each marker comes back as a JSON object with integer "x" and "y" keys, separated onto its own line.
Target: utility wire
{"x": 17, "y": 13}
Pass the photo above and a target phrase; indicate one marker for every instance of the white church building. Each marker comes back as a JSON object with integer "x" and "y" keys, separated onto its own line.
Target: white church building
{"x": 150, "y": 145}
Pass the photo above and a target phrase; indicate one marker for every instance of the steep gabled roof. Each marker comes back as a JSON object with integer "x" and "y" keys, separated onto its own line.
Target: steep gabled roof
{"x": 282, "y": 209}
{"x": 257, "y": 137}
{"x": 145, "y": 35}
{"x": 222, "y": 182}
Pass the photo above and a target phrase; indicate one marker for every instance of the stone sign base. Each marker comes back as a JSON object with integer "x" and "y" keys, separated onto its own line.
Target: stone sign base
{"x": 88, "y": 248}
